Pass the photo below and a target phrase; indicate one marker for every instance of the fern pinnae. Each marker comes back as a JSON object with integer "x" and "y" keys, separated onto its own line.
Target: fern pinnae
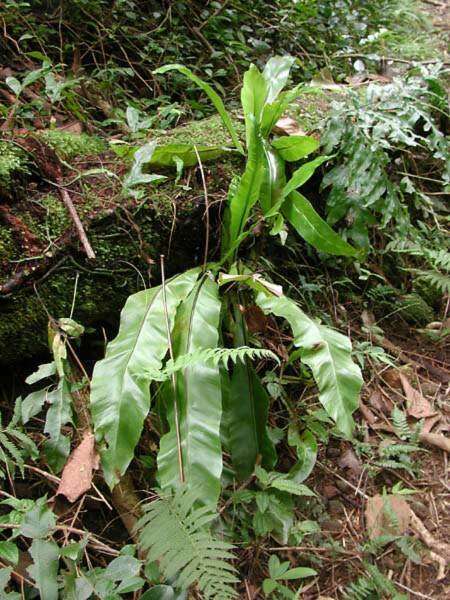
{"x": 173, "y": 531}
{"x": 214, "y": 356}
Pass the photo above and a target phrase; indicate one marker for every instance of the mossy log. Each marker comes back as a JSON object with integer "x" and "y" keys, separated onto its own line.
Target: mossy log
{"x": 43, "y": 269}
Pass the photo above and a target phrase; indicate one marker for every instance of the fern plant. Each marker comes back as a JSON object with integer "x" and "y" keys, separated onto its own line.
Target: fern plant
{"x": 170, "y": 342}
{"x": 437, "y": 275}
{"x": 174, "y": 531}
{"x": 15, "y": 445}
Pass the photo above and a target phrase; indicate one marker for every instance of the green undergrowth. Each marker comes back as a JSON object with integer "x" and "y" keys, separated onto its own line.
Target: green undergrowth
{"x": 73, "y": 145}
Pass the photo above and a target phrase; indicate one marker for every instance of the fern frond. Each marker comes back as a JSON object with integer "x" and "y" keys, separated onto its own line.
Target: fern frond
{"x": 400, "y": 423}
{"x": 14, "y": 446}
{"x": 214, "y": 356}
{"x": 174, "y": 531}
{"x": 438, "y": 280}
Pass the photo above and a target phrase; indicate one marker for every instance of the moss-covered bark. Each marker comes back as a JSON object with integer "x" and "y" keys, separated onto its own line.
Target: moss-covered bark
{"x": 127, "y": 236}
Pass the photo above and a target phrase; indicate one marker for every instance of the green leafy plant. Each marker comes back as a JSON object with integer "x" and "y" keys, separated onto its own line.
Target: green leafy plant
{"x": 174, "y": 532}
{"x": 367, "y": 188}
{"x": 175, "y": 331}
{"x": 281, "y": 571}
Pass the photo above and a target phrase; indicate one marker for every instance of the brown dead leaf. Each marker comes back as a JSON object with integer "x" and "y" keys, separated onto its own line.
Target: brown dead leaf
{"x": 392, "y": 378}
{"x": 350, "y": 461}
{"x": 368, "y": 415}
{"x": 255, "y": 318}
{"x": 430, "y": 422}
{"x": 76, "y": 477}
{"x": 387, "y": 514}
{"x": 72, "y": 127}
{"x": 288, "y": 126}
{"x": 436, "y": 439}
{"x": 418, "y": 406}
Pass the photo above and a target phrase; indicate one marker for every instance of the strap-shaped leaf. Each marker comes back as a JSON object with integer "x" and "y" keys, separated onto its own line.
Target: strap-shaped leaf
{"x": 276, "y": 73}
{"x": 295, "y": 147}
{"x": 198, "y": 399}
{"x": 328, "y": 354}
{"x": 120, "y": 395}
{"x": 310, "y": 226}
{"x": 248, "y": 408}
{"x": 212, "y": 95}
{"x": 274, "y": 178}
{"x": 247, "y": 191}
{"x": 302, "y": 174}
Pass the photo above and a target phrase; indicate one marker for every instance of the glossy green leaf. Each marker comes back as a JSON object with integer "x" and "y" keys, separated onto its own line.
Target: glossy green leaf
{"x": 253, "y": 97}
{"x": 120, "y": 396}
{"x": 165, "y": 155}
{"x": 39, "y": 521}
{"x": 291, "y": 487}
{"x": 212, "y": 95}
{"x": 197, "y": 397}
{"x": 43, "y": 371}
{"x": 159, "y": 592}
{"x": 299, "y": 573}
{"x": 310, "y": 226}
{"x": 44, "y": 569}
{"x": 60, "y": 411}
{"x": 274, "y": 178}
{"x": 32, "y": 404}
{"x": 272, "y": 112}
{"x": 136, "y": 176}
{"x": 276, "y": 74}
{"x": 306, "y": 446}
{"x": 248, "y": 412}
{"x": 247, "y": 191}
{"x": 302, "y": 174}
{"x": 328, "y": 354}
{"x": 9, "y": 552}
{"x": 295, "y": 147}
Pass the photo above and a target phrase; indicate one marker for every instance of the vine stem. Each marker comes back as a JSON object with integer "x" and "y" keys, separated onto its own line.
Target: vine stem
{"x": 173, "y": 377}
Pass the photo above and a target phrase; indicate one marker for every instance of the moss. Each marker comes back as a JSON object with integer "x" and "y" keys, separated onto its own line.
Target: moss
{"x": 13, "y": 162}
{"x": 73, "y": 145}
{"x": 207, "y": 132}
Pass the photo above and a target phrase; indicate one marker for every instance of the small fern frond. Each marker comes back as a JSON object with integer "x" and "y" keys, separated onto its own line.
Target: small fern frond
{"x": 213, "y": 356}
{"x": 14, "y": 446}
{"x": 400, "y": 423}
{"x": 174, "y": 531}
{"x": 439, "y": 281}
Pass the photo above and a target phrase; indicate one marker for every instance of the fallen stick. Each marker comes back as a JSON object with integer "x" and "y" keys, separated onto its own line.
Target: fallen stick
{"x": 77, "y": 222}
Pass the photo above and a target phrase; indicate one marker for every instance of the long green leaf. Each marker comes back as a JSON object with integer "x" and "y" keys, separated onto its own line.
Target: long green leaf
{"x": 295, "y": 147}
{"x": 274, "y": 178}
{"x": 212, "y": 95}
{"x": 328, "y": 354}
{"x": 120, "y": 396}
{"x": 247, "y": 192}
{"x": 253, "y": 98}
{"x": 310, "y": 226}
{"x": 248, "y": 408}
{"x": 276, "y": 74}
{"x": 197, "y": 397}
{"x": 164, "y": 156}
{"x": 302, "y": 174}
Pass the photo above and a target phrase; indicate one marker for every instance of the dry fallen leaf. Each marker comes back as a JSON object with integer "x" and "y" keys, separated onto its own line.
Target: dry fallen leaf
{"x": 76, "y": 477}
{"x": 288, "y": 126}
{"x": 387, "y": 514}
{"x": 350, "y": 461}
{"x": 418, "y": 406}
{"x": 255, "y": 319}
{"x": 436, "y": 439}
